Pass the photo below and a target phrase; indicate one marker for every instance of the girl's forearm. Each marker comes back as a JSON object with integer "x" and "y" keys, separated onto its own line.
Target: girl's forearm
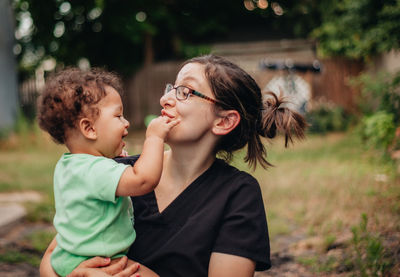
{"x": 46, "y": 270}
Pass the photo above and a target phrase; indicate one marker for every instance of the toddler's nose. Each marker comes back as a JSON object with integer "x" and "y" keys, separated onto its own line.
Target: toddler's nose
{"x": 127, "y": 124}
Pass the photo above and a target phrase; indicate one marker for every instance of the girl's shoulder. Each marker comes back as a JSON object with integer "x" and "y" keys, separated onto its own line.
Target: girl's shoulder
{"x": 236, "y": 179}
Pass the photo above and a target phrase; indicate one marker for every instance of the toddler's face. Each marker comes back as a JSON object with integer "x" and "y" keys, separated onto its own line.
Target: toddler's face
{"x": 111, "y": 126}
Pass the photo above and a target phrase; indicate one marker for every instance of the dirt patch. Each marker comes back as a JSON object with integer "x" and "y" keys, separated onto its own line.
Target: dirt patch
{"x": 284, "y": 264}
{"x": 16, "y": 255}
{"x": 20, "y": 197}
{"x": 18, "y": 270}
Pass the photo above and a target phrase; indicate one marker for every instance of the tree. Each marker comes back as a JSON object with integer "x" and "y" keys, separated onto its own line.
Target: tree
{"x": 123, "y": 34}
{"x": 358, "y": 29}
{"x": 8, "y": 77}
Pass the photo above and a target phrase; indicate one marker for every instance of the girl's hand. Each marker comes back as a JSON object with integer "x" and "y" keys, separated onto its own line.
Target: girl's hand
{"x": 102, "y": 267}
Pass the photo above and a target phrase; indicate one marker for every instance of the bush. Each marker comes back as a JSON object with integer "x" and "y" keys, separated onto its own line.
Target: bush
{"x": 326, "y": 117}
{"x": 378, "y": 130}
{"x": 380, "y": 107}
{"x": 379, "y": 92}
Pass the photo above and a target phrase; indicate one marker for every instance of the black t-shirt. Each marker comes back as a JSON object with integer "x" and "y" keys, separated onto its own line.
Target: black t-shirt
{"x": 221, "y": 211}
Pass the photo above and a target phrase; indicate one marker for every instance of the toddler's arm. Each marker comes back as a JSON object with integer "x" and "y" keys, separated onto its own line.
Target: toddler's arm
{"x": 144, "y": 176}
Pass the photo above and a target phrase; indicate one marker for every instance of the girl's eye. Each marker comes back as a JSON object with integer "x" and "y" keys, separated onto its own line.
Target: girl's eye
{"x": 185, "y": 91}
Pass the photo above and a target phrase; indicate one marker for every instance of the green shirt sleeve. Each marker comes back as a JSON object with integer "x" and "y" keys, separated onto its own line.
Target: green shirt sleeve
{"x": 105, "y": 174}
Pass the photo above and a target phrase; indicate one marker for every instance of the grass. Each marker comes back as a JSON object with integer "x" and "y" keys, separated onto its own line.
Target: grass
{"x": 326, "y": 182}
{"x": 320, "y": 186}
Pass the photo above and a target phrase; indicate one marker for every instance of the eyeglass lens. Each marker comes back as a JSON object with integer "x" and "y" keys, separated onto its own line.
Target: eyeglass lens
{"x": 181, "y": 92}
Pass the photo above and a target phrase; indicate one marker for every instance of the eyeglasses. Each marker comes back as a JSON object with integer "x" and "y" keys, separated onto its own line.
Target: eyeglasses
{"x": 182, "y": 93}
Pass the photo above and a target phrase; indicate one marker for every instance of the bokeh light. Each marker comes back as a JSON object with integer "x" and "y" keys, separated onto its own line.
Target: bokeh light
{"x": 59, "y": 29}
{"x": 249, "y": 5}
{"x": 94, "y": 13}
{"x": 65, "y": 8}
{"x": 141, "y": 16}
{"x": 277, "y": 8}
{"x": 262, "y": 4}
{"x": 84, "y": 64}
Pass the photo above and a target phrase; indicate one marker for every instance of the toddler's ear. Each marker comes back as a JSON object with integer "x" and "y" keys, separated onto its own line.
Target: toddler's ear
{"x": 86, "y": 127}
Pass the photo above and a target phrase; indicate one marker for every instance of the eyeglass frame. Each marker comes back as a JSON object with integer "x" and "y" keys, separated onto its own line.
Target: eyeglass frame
{"x": 191, "y": 92}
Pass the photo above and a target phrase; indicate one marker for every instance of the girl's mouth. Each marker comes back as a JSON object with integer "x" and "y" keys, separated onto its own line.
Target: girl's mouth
{"x": 164, "y": 113}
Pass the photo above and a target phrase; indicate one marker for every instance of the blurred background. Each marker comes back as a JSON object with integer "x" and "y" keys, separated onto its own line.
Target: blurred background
{"x": 333, "y": 200}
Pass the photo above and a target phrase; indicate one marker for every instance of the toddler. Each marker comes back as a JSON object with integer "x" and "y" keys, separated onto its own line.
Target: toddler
{"x": 94, "y": 216}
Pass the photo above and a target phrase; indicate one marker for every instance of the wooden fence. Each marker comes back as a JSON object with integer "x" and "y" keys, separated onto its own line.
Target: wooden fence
{"x": 146, "y": 87}
{"x": 145, "y": 90}
{"x": 330, "y": 85}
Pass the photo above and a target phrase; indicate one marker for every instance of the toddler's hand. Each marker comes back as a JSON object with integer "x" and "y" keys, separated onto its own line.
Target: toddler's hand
{"x": 161, "y": 126}
{"x": 124, "y": 153}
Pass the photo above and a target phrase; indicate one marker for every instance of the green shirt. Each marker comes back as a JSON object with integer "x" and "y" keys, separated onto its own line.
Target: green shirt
{"x": 90, "y": 220}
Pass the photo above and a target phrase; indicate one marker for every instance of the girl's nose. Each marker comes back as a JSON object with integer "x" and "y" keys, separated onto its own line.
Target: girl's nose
{"x": 168, "y": 99}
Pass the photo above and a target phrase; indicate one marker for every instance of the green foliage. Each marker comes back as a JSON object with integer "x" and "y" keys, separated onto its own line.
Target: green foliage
{"x": 317, "y": 264}
{"x": 29, "y": 249}
{"x": 149, "y": 118}
{"x": 380, "y": 106}
{"x": 378, "y": 130}
{"x": 326, "y": 117}
{"x": 329, "y": 240}
{"x": 370, "y": 257}
{"x": 190, "y": 51}
{"x": 358, "y": 29}
{"x": 23, "y": 127}
{"x": 116, "y": 33}
{"x": 380, "y": 92}
{"x": 39, "y": 240}
{"x": 41, "y": 212}
{"x": 15, "y": 257}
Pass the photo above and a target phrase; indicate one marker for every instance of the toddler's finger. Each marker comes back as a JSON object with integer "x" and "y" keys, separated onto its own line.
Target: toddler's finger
{"x": 124, "y": 153}
{"x": 173, "y": 123}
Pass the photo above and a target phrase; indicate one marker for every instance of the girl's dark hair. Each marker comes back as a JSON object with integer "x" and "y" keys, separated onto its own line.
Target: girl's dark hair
{"x": 236, "y": 90}
{"x": 71, "y": 95}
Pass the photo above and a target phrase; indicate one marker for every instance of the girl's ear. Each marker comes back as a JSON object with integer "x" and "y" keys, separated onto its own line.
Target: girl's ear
{"x": 226, "y": 122}
{"x": 87, "y": 128}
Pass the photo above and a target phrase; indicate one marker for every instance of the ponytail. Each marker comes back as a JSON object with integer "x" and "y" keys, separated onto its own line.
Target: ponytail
{"x": 277, "y": 117}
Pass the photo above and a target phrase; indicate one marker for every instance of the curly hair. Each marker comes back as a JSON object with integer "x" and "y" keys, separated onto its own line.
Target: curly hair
{"x": 71, "y": 95}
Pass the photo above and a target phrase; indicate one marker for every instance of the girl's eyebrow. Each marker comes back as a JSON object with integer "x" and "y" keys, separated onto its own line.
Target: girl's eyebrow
{"x": 193, "y": 79}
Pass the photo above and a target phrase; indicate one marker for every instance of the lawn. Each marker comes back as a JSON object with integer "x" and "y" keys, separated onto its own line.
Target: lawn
{"x": 321, "y": 188}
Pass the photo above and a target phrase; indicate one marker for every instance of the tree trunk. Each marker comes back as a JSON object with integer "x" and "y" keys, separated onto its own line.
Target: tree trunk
{"x": 8, "y": 76}
{"x": 148, "y": 49}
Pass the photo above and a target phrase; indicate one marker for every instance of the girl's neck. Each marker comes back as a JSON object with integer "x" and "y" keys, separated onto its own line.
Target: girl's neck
{"x": 185, "y": 166}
